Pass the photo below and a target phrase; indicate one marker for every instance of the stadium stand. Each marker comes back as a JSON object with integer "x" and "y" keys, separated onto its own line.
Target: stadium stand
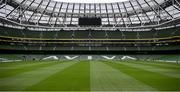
{"x": 137, "y": 27}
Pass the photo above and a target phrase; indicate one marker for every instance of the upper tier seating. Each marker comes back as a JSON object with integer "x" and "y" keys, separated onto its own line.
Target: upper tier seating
{"x": 89, "y": 34}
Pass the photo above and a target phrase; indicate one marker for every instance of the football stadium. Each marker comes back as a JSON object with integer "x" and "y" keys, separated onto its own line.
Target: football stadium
{"x": 90, "y": 45}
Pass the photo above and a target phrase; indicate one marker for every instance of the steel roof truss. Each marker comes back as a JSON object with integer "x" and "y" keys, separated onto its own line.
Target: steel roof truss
{"x": 44, "y": 11}
{"x": 15, "y": 8}
{"x": 52, "y": 14}
{"x": 35, "y": 10}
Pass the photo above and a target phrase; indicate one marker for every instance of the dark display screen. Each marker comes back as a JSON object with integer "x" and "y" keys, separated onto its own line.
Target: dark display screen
{"x": 86, "y": 21}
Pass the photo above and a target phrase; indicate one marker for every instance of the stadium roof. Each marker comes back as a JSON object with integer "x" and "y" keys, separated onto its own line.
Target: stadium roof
{"x": 90, "y": 1}
{"x": 56, "y": 14}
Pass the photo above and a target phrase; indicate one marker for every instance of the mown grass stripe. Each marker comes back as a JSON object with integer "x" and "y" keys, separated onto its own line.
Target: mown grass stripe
{"x": 7, "y": 68}
{"x": 14, "y": 71}
{"x": 14, "y": 66}
{"x": 27, "y": 79}
{"x": 16, "y": 63}
{"x": 106, "y": 78}
{"x": 74, "y": 78}
{"x": 156, "y": 80}
{"x": 157, "y": 69}
{"x": 162, "y": 65}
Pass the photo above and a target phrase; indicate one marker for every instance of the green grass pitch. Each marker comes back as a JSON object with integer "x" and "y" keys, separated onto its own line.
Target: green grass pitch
{"x": 89, "y": 76}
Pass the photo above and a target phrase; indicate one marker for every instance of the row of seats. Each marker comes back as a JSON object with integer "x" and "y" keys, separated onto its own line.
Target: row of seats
{"x": 22, "y": 47}
{"x": 85, "y": 34}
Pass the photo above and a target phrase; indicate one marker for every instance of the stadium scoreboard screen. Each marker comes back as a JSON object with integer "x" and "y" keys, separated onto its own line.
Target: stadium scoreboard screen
{"x": 89, "y": 21}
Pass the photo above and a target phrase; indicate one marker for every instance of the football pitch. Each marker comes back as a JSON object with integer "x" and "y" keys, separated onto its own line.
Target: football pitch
{"x": 89, "y": 76}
